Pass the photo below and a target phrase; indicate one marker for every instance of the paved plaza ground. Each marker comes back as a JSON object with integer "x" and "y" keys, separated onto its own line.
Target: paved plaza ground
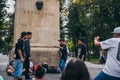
{"x": 93, "y": 69}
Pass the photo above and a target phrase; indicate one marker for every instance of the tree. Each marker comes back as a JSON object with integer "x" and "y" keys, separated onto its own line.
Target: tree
{"x": 2, "y": 23}
{"x": 89, "y": 18}
{"x": 6, "y": 31}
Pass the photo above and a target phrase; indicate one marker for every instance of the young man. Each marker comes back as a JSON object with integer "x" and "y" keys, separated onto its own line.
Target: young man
{"x": 111, "y": 70}
{"x": 63, "y": 53}
{"x": 27, "y": 54}
{"x": 19, "y": 57}
{"x": 81, "y": 54}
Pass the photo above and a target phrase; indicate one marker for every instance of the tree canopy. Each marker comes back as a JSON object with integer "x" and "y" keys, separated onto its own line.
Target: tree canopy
{"x": 89, "y": 18}
{"x": 6, "y": 31}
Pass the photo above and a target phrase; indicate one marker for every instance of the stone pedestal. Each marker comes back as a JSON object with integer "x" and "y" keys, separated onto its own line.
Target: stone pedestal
{"x": 44, "y": 24}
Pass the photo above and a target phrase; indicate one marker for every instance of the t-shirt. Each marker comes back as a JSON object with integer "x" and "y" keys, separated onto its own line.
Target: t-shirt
{"x": 112, "y": 65}
{"x": 81, "y": 51}
{"x": 27, "y": 48}
{"x": 63, "y": 52}
{"x": 19, "y": 45}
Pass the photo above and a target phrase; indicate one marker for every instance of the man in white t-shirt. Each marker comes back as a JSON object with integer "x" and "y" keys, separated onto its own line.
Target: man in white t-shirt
{"x": 111, "y": 71}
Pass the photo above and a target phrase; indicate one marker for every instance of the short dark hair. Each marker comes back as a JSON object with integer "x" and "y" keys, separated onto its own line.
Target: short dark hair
{"x": 75, "y": 70}
{"x": 23, "y": 34}
{"x": 61, "y": 40}
{"x": 81, "y": 39}
{"x": 28, "y": 32}
{"x": 40, "y": 72}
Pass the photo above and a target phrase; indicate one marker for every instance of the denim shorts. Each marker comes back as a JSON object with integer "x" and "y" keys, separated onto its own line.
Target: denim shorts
{"x": 103, "y": 76}
{"x": 62, "y": 64}
{"x": 18, "y": 68}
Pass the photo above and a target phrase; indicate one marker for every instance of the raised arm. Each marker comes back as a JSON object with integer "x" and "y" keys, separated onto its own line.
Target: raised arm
{"x": 97, "y": 42}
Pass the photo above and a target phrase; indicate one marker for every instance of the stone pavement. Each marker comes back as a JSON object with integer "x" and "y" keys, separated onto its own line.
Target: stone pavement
{"x": 93, "y": 69}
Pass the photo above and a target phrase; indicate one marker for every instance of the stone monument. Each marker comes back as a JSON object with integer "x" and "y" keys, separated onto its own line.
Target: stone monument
{"x": 44, "y": 24}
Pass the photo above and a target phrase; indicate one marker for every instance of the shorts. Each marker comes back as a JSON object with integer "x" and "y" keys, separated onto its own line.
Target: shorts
{"x": 18, "y": 68}
{"x": 103, "y": 76}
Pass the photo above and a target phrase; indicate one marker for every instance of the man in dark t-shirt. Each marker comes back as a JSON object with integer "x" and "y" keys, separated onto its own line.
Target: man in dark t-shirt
{"x": 81, "y": 53}
{"x": 27, "y": 54}
{"x": 63, "y": 53}
{"x": 19, "y": 46}
{"x": 19, "y": 57}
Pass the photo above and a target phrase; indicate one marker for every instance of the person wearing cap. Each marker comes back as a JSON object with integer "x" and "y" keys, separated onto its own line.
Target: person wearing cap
{"x": 111, "y": 71}
{"x": 27, "y": 54}
{"x": 19, "y": 57}
{"x": 63, "y": 53}
{"x": 81, "y": 52}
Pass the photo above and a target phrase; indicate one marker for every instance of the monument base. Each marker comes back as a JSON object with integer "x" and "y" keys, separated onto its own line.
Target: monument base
{"x": 48, "y": 55}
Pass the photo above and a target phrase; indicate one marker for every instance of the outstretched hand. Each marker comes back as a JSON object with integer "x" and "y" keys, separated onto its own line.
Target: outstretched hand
{"x": 56, "y": 46}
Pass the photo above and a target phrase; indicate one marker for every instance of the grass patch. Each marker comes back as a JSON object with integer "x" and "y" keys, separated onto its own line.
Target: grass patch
{"x": 94, "y": 60}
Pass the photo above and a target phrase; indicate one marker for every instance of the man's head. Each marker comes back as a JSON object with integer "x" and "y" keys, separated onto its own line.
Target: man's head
{"x": 61, "y": 41}
{"x": 40, "y": 73}
{"x": 23, "y": 34}
{"x": 116, "y": 32}
{"x": 80, "y": 41}
{"x": 29, "y": 35}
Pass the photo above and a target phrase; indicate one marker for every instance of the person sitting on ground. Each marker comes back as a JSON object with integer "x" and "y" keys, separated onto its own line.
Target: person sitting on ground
{"x": 75, "y": 70}
{"x": 39, "y": 73}
{"x": 10, "y": 68}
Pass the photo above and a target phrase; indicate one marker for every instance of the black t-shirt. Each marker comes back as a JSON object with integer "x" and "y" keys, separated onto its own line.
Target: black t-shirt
{"x": 27, "y": 48}
{"x": 19, "y": 45}
{"x": 82, "y": 51}
{"x": 63, "y": 52}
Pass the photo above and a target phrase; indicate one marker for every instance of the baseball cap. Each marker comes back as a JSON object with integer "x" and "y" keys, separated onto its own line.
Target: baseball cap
{"x": 116, "y": 30}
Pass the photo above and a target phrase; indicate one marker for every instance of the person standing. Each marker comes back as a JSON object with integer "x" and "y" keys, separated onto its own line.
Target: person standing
{"x": 27, "y": 54}
{"x": 63, "y": 53}
{"x": 81, "y": 53}
{"x": 111, "y": 71}
{"x": 19, "y": 57}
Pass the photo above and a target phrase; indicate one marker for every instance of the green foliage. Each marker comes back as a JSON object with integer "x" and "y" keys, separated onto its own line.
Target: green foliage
{"x": 89, "y": 18}
{"x": 70, "y": 45}
{"x": 6, "y": 31}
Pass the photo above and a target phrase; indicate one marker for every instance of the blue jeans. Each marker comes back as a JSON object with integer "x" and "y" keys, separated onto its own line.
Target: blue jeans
{"x": 62, "y": 64}
{"x": 18, "y": 68}
{"x": 103, "y": 76}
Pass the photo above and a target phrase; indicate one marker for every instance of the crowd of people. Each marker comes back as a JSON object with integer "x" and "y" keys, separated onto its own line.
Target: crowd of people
{"x": 75, "y": 69}
{"x": 22, "y": 64}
